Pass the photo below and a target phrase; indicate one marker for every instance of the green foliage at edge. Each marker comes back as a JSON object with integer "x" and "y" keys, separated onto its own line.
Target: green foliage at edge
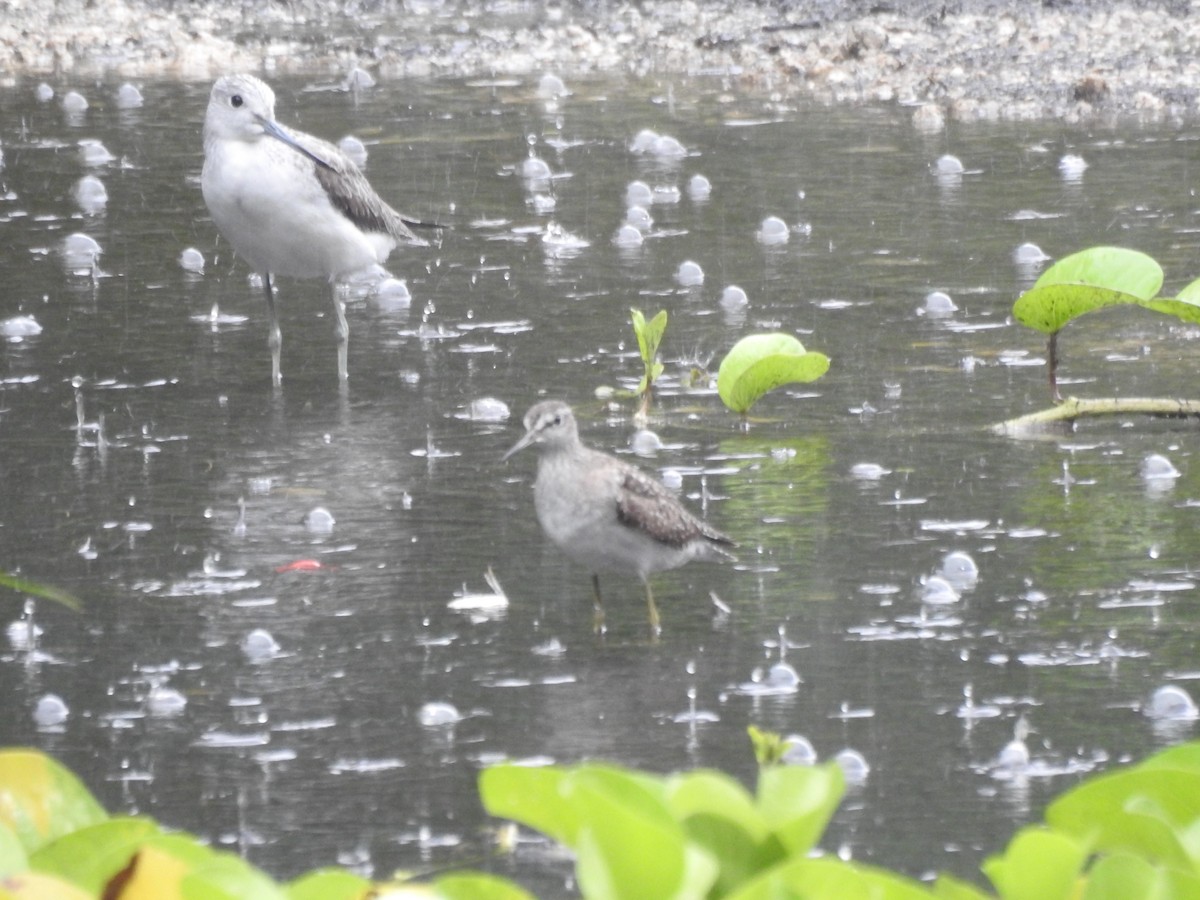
{"x": 1130, "y": 833}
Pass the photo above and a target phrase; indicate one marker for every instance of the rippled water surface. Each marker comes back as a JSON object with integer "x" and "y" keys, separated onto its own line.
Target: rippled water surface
{"x": 304, "y": 657}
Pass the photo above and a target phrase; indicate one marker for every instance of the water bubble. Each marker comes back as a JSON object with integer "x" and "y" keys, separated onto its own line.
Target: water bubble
{"x": 23, "y": 634}
{"x": 18, "y": 327}
{"x": 689, "y": 274}
{"x": 1029, "y": 254}
{"x": 392, "y": 293}
{"x": 667, "y": 147}
{"x": 438, "y": 715}
{"x": 355, "y": 149}
{"x": 1171, "y": 702}
{"x": 699, "y": 188}
{"x": 937, "y": 305}
{"x": 1013, "y": 758}
{"x": 773, "y": 232}
{"x": 665, "y": 194}
{"x": 948, "y": 165}
{"x": 43, "y": 93}
{"x": 639, "y": 218}
{"x": 638, "y": 193}
{"x": 551, "y": 87}
{"x": 129, "y": 97}
{"x": 74, "y": 102}
{"x": 534, "y": 168}
{"x": 260, "y": 645}
{"x": 643, "y": 141}
{"x": 798, "y": 751}
{"x": 673, "y": 479}
{"x": 94, "y": 153}
{"x": 628, "y": 237}
{"x": 165, "y": 701}
{"x": 50, "y": 711}
{"x": 960, "y": 570}
{"x": 358, "y": 79}
{"x": 854, "y": 766}
{"x": 782, "y": 676}
{"x": 192, "y": 260}
{"x": 1156, "y": 467}
{"x": 868, "y": 471}
{"x": 560, "y": 243}
{"x": 90, "y": 194}
{"x": 319, "y": 520}
{"x": 645, "y": 442}
{"x": 937, "y": 591}
{"x": 733, "y": 297}
{"x": 80, "y": 254}
{"x": 1072, "y": 167}
{"x": 488, "y": 409}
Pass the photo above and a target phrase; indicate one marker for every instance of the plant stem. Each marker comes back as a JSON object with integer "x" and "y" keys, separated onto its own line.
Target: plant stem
{"x": 1074, "y": 408}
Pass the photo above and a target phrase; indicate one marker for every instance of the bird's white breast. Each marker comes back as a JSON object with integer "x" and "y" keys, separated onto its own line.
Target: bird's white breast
{"x": 267, "y": 202}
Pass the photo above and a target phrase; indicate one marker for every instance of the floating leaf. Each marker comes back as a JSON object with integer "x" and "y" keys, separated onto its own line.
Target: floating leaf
{"x": 1185, "y": 305}
{"x": 759, "y": 363}
{"x": 1086, "y": 281}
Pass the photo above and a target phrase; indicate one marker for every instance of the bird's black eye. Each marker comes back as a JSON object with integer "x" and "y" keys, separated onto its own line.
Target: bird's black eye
{"x": 236, "y": 101}
{"x": 557, "y": 420}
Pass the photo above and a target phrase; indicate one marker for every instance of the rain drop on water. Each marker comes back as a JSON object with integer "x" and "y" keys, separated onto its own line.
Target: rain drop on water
{"x": 192, "y": 260}
{"x": 773, "y": 232}
{"x": 689, "y": 274}
{"x": 74, "y": 102}
{"x": 259, "y": 645}
{"x": 90, "y": 194}
{"x": 129, "y": 97}
{"x": 319, "y": 520}
{"x": 50, "y": 711}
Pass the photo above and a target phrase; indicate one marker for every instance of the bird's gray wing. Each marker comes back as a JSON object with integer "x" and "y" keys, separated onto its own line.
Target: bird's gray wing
{"x": 350, "y": 192}
{"x": 645, "y": 504}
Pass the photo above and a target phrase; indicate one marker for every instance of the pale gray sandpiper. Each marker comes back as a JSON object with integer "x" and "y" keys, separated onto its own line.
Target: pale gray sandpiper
{"x": 290, "y": 203}
{"x": 606, "y": 514}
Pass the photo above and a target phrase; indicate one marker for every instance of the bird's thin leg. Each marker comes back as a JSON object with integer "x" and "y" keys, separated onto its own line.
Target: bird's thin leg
{"x": 274, "y": 335}
{"x": 342, "y": 330}
{"x": 655, "y": 626}
{"x": 597, "y": 607}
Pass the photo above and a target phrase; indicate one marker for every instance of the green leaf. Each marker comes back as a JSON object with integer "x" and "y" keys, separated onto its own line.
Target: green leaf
{"x": 798, "y": 801}
{"x": 1187, "y": 310}
{"x": 41, "y": 800}
{"x": 947, "y": 887}
{"x": 329, "y": 884}
{"x": 830, "y": 879}
{"x": 720, "y": 816}
{"x": 1037, "y": 865}
{"x": 629, "y": 843}
{"x": 89, "y": 857}
{"x": 649, "y": 334}
{"x": 1148, "y": 810}
{"x": 477, "y": 886}
{"x": 1086, "y": 281}
{"x": 1126, "y": 877}
{"x": 13, "y": 857}
{"x": 37, "y": 589}
{"x": 532, "y": 796}
{"x": 759, "y": 363}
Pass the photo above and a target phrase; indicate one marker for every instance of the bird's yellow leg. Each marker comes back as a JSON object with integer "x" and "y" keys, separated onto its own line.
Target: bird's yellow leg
{"x": 597, "y": 607}
{"x": 655, "y": 625}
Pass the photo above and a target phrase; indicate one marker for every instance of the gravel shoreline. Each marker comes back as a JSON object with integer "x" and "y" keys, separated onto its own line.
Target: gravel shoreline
{"x": 967, "y": 60}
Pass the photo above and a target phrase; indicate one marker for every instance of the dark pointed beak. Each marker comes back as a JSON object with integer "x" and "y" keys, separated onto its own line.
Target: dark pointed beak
{"x": 526, "y": 439}
{"x": 271, "y": 127}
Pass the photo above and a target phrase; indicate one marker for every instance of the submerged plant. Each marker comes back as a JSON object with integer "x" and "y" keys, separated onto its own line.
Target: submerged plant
{"x": 759, "y": 363}
{"x": 649, "y": 336}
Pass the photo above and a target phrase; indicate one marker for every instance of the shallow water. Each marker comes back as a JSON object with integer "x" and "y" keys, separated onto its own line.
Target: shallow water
{"x": 316, "y": 753}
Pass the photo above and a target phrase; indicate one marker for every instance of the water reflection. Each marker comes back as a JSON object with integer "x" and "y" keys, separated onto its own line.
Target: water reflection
{"x": 150, "y": 469}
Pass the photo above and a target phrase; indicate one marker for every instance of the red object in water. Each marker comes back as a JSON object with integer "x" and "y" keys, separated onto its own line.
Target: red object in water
{"x": 301, "y": 565}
